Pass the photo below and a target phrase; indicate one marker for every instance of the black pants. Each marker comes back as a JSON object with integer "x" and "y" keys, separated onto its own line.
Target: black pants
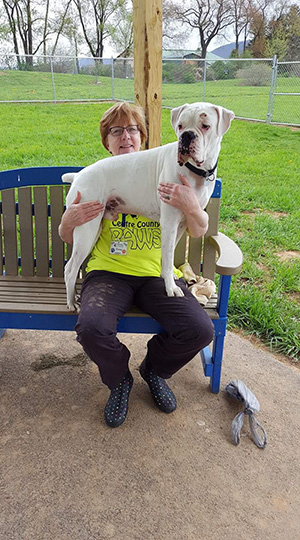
{"x": 106, "y": 296}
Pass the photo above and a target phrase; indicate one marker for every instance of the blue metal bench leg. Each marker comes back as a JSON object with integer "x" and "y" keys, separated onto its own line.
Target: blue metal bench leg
{"x": 220, "y": 331}
{"x": 217, "y": 355}
{"x": 2, "y": 332}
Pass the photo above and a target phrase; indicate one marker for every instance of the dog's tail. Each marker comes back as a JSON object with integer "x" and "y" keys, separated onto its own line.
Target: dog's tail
{"x": 68, "y": 177}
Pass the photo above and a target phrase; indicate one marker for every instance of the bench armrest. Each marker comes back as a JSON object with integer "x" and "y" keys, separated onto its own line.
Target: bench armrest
{"x": 230, "y": 256}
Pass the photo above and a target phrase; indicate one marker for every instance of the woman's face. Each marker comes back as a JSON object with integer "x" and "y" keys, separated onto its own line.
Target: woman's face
{"x": 124, "y": 143}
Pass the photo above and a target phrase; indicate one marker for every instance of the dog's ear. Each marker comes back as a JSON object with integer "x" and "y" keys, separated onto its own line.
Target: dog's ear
{"x": 175, "y": 113}
{"x": 224, "y": 120}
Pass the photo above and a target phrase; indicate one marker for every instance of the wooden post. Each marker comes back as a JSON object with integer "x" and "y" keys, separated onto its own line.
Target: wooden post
{"x": 147, "y": 25}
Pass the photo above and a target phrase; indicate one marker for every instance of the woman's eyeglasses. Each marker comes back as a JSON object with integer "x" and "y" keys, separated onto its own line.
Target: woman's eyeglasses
{"x": 117, "y": 131}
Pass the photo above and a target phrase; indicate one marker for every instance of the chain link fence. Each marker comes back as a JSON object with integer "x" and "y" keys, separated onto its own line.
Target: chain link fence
{"x": 286, "y": 95}
{"x": 258, "y": 89}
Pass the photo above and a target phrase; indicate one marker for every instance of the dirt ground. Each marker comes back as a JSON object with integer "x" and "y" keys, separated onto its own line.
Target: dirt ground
{"x": 66, "y": 476}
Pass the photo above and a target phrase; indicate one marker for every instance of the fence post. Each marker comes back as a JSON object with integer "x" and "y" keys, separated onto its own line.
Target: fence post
{"x": 75, "y": 65}
{"x": 272, "y": 90}
{"x": 52, "y": 77}
{"x": 112, "y": 79}
{"x": 204, "y": 80}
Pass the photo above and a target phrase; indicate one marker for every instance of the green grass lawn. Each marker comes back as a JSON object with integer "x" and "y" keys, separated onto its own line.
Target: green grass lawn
{"x": 259, "y": 166}
{"x": 245, "y": 101}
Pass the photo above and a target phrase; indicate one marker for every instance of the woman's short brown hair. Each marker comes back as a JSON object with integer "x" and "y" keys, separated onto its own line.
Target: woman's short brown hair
{"x": 118, "y": 112}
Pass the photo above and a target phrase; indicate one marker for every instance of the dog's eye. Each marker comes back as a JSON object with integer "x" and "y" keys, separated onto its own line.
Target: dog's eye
{"x": 179, "y": 126}
{"x": 205, "y": 126}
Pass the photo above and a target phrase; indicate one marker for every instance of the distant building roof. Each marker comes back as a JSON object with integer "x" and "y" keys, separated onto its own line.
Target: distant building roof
{"x": 172, "y": 54}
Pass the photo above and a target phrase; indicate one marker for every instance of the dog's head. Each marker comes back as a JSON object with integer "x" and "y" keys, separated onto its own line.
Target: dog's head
{"x": 200, "y": 128}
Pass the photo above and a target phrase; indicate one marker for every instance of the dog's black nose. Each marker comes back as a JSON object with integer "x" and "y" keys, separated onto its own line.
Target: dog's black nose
{"x": 184, "y": 142}
{"x": 187, "y": 137}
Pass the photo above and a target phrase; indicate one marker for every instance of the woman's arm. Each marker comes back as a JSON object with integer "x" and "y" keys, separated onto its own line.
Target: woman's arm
{"x": 77, "y": 214}
{"x": 183, "y": 197}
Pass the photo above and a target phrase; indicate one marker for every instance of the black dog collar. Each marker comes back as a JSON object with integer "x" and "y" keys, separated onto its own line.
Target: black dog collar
{"x": 201, "y": 172}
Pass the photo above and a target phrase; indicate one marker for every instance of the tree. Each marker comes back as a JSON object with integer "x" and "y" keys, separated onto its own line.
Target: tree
{"x": 241, "y": 15}
{"x": 62, "y": 22}
{"x": 293, "y": 32}
{"x": 121, "y": 31}
{"x": 26, "y": 23}
{"x": 283, "y": 33}
{"x": 260, "y": 13}
{"x": 10, "y": 12}
{"x": 209, "y": 18}
{"x": 277, "y": 40}
{"x": 172, "y": 33}
{"x": 94, "y": 16}
{"x": 31, "y": 25}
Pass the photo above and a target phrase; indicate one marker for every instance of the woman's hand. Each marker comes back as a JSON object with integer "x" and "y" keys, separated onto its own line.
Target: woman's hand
{"x": 77, "y": 214}
{"x": 183, "y": 197}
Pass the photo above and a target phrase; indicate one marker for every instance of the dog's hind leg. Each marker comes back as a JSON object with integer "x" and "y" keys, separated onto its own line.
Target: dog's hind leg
{"x": 84, "y": 238}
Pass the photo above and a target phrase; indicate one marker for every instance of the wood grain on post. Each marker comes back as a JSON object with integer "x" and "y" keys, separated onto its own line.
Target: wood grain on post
{"x": 147, "y": 23}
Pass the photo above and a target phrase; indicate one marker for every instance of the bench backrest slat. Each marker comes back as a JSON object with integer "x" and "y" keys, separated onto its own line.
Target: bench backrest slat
{"x": 57, "y": 208}
{"x": 180, "y": 252}
{"x": 10, "y": 232}
{"x": 41, "y": 231}
{"x": 195, "y": 254}
{"x": 209, "y": 252}
{"x": 26, "y": 231}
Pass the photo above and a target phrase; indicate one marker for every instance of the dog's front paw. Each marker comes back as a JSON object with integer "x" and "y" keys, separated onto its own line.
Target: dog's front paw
{"x": 72, "y": 306}
{"x": 174, "y": 291}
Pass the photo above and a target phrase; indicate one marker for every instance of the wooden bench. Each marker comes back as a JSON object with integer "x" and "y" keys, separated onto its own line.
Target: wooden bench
{"x": 32, "y": 258}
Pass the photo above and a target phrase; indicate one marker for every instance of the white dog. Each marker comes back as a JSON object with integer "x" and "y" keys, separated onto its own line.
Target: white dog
{"x": 132, "y": 180}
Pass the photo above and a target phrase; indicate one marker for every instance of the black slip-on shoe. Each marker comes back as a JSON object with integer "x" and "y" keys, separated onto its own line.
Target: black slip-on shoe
{"x": 116, "y": 408}
{"x": 162, "y": 394}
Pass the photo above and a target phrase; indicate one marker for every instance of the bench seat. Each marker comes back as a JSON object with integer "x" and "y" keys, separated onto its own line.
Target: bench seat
{"x": 48, "y": 295}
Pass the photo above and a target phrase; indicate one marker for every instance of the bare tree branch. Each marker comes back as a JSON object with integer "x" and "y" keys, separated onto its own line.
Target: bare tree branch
{"x": 99, "y": 12}
{"x": 209, "y": 17}
{"x": 61, "y": 26}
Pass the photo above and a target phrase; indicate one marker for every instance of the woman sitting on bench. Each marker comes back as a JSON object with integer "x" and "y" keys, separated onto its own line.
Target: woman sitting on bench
{"x": 124, "y": 269}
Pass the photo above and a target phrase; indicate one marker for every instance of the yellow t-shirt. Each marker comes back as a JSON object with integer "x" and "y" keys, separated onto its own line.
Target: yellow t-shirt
{"x": 129, "y": 245}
